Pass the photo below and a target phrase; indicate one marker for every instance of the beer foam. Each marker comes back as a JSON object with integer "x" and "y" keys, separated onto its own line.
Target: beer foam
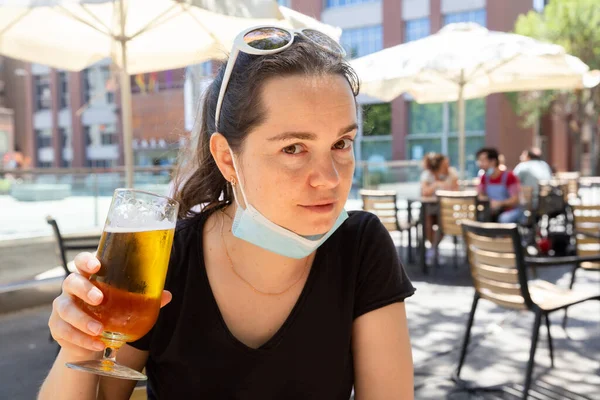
{"x": 158, "y": 226}
{"x": 136, "y": 216}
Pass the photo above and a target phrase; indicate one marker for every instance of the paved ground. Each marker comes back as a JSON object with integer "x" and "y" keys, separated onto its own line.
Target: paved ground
{"x": 437, "y": 315}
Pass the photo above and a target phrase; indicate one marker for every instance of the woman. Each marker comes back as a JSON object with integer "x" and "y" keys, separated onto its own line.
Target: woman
{"x": 255, "y": 310}
{"x": 437, "y": 175}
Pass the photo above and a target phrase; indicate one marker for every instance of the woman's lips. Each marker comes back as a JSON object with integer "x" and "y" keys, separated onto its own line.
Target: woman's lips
{"x": 321, "y": 208}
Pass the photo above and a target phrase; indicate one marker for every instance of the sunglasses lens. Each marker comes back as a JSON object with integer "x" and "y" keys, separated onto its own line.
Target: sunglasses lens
{"x": 324, "y": 41}
{"x": 267, "y": 38}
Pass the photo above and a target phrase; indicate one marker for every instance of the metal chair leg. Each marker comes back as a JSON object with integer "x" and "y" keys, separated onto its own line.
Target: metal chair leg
{"x": 565, "y": 317}
{"x": 455, "y": 238}
{"x": 573, "y": 276}
{"x": 409, "y": 258}
{"x": 534, "y": 339}
{"x": 550, "y": 345}
{"x": 436, "y": 239}
{"x": 463, "y": 351}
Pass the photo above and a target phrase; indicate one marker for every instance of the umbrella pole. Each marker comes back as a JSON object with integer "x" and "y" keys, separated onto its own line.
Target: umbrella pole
{"x": 461, "y": 129}
{"x": 126, "y": 103}
{"x": 126, "y": 118}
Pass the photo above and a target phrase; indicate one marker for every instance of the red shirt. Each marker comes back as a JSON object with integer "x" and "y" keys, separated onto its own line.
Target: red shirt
{"x": 512, "y": 183}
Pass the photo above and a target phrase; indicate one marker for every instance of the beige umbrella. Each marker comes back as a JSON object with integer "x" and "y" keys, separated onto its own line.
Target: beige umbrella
{"x": 466, "y": 61}
{"x": 138, "y": 35}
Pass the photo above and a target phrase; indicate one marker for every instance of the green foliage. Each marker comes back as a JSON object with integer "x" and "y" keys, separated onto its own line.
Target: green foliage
{"x": 377, "y": 119}
{"x": 573, "y": 24}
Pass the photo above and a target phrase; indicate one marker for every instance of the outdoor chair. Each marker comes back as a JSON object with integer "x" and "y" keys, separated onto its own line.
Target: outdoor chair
{"x": 587, "y": 236}
{"x": 383, "y": 204}
{"x": 66, "y": 243}
{"x": 454, "y": 207}
{"x": 498, "y": 268}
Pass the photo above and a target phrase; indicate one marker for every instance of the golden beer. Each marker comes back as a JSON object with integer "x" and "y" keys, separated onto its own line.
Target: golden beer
{"x": 131, "y": 277}
{"x": 134, "y": 252}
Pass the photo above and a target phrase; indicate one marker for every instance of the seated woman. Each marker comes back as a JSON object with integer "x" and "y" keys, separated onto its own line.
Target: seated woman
{"x": 437, "y": 175}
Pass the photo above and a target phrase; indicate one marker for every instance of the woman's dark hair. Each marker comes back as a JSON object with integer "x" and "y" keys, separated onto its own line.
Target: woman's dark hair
{"x": 433, "y": 161}
{"x": 198, "y": 180}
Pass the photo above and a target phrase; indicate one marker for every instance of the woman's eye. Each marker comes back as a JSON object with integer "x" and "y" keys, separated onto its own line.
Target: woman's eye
{"x": 343, "y": 144}
{"x": 293, "y": 149}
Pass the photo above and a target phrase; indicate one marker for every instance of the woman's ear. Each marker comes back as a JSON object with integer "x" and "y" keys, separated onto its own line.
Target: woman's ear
{"x": 220, "y": 150}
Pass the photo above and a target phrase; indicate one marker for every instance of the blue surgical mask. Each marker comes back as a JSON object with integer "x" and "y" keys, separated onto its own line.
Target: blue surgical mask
{"x": 490, "y": 171}
{"x": 253, "y": 227}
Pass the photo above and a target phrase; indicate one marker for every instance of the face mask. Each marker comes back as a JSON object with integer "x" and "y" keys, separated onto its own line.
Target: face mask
{"x": 442, "y": 177}
{"x": 490, "y": 171}
{"x": 253, "y": 227}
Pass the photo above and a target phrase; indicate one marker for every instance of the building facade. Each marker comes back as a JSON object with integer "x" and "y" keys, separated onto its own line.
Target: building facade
{"x": 73, "y": 119}
{"x": 414, "y": 129}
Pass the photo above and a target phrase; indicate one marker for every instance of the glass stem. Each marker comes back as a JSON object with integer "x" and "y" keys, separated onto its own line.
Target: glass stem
{"x": 110, "y": 354}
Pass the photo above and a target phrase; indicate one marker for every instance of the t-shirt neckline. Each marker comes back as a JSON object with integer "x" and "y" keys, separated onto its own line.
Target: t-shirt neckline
{"x": 278, "y": 335}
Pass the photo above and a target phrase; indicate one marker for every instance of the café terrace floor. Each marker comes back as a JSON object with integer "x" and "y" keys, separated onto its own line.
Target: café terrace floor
{"x": 437, "y": 315}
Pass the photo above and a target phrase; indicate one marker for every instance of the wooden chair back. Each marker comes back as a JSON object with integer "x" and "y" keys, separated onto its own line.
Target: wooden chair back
{"x": 383, "y": 204}
{"x": 456, "y": 206}
{"x": 496, "y": 260}
{"x": 587, "y": 220}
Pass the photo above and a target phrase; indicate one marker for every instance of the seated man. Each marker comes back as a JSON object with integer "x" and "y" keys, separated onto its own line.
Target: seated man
{"x": 500, "y": 187}
{"x": 531, "y": 170}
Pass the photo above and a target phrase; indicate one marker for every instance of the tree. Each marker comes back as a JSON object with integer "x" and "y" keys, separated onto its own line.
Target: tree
{"x": 573, "y": 24}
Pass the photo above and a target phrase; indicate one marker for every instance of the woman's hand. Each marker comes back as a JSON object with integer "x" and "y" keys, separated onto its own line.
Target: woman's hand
{"x": 70, "y": 326}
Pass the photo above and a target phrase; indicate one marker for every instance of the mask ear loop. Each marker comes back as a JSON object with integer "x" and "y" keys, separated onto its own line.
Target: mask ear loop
{"x": 234, "y": 183}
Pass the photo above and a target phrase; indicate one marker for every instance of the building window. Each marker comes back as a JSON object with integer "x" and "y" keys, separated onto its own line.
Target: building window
{"x": 338, "y": 3}
{"x": 43, "y": 138}
{"x": 43, "y": 100}
{"x": 285, "y": 3}
{"x": 42, "y": 164}
{"x": 96, "y": 85}
{"x": 539, "y": 5}
{"x": 100, "y": 163}
{"x": 359, "y": 42}
{"x": 63, "y": 90}
{"x": 109, "y": 86}
{"x": 415, "y": 29}
{"x": 100, "y": 135}
{"x": 477, "y": 16}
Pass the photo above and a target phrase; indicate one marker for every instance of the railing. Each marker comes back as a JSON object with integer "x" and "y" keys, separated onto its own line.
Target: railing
{"x": 78, "y": 198}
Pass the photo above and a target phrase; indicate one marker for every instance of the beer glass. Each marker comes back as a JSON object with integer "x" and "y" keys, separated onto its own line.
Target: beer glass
{"x": 134, "y": 252}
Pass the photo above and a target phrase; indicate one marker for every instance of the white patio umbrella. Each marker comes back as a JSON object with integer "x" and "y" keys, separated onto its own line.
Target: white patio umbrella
{"x": 466, "y": 61}
{"x": 138, "y": 35}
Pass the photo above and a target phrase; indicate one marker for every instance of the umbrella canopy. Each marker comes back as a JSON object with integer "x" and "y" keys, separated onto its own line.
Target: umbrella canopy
{"x": 138, "y": 35}
{"x": 466, "y": 61}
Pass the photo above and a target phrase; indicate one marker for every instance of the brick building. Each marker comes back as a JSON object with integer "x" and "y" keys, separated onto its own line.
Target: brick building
{"x": 72, "y": 119}
{"x": 371, "y": 25}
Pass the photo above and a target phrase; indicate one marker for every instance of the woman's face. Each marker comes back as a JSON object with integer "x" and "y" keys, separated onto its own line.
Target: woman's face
{"x": 444, "y": 167}
{"x": 296, "y": 168}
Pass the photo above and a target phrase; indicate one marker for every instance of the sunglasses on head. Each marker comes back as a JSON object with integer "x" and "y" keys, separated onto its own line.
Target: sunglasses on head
{"x": 269, "y": 40}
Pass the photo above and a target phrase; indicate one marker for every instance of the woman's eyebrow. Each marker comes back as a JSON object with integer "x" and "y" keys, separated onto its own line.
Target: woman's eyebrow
{"x": 309, "y": 135}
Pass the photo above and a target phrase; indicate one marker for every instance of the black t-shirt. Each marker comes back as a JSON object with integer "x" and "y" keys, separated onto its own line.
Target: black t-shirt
{"x": 192, "y": 354}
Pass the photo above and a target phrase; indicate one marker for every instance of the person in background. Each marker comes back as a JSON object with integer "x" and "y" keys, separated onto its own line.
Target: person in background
{"x": 500, "y": 187}
{"x": 501, "y": 162}
{"x": 437, "y": 175}
{"x": 532, "y": 169}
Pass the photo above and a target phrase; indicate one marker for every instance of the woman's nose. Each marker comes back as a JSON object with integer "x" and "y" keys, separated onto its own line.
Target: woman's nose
{"x": 325, "y": 174}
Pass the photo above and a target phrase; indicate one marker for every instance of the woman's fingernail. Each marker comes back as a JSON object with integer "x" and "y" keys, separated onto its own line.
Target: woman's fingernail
{"x": 92, "y": 264}
{"x": 95, "y": 295}
{"x": 94, "y": 327}
{"x": 98, "y": 346}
